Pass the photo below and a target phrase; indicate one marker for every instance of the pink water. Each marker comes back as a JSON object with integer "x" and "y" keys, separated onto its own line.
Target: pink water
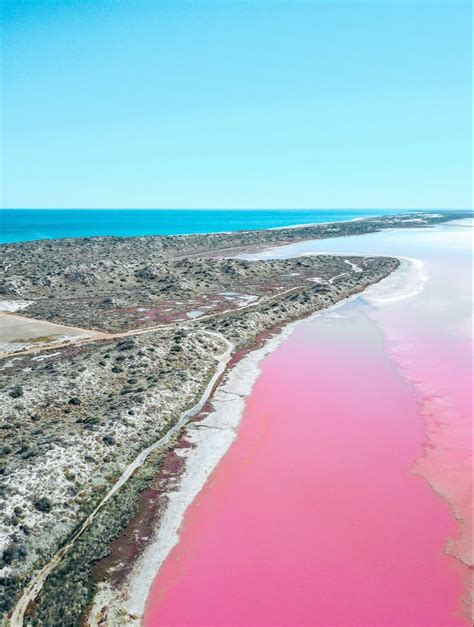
{"x": 321, "y": 514}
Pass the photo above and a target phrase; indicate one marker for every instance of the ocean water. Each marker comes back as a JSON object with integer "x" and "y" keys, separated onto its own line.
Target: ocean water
{"x": 33, "y": 224}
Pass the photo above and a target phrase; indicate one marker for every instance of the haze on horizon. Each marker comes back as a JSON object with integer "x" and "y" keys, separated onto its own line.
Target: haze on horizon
{"x": 236, "y": 105}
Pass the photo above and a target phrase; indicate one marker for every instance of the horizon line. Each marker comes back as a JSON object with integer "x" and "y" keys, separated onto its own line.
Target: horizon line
{"x": 236, "y": 209}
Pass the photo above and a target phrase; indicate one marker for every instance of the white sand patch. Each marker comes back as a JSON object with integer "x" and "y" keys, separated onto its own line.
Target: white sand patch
{"x": 354, "y": 266}
{"x": 18, "y": 333}
{"x": 406, "y": 281}
{"x": 241, "y": 300}
{"x": 301, "y": 226}
{"x": 229, "y": 295}
{"x": 11, "y": 306}
{"x": 338, "y": 276}
{"x": 194, "y": 314}
{"x": 43, "y": 357}
{"x": 246, "y": 299}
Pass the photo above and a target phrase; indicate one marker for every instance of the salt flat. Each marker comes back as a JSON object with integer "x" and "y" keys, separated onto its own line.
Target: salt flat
{"x": 18, "y": 333}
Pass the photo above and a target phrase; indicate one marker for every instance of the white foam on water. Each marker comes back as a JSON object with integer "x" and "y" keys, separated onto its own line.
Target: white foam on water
{"x": 407, "y": 281}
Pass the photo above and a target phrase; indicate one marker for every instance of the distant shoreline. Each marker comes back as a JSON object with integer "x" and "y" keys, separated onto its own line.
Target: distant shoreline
{"x": 28, "y": 225}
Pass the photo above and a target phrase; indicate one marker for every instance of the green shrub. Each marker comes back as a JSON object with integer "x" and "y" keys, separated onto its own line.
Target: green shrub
{"x": 43, "y": 504}
{"x": 16, "y": 391}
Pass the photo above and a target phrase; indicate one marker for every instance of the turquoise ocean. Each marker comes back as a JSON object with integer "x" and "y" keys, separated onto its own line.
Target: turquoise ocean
{"x": 19, "y": 225}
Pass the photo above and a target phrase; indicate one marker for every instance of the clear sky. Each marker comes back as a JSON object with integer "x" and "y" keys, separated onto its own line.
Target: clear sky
{"x": 236, "y": 104}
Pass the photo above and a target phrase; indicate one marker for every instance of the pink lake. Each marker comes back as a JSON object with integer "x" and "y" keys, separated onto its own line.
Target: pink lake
{"x": 327, "y": 508}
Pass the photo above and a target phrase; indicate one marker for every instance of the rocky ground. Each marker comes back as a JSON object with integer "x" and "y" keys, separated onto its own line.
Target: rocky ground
{"x": 137, "y": 294}
{"x": 71, "y": 423}
{"x": 73, "y": 418}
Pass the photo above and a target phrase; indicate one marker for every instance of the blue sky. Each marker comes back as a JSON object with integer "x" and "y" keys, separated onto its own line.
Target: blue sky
{"x": 236, "y": 104}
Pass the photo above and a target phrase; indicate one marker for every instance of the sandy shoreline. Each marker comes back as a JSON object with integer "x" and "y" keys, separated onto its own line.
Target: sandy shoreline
{"x": 210, "y": 439}
{"x": 319, "y": 282}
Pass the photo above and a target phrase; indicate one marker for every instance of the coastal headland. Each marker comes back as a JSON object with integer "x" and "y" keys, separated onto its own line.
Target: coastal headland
{"x": 138, "y": 333}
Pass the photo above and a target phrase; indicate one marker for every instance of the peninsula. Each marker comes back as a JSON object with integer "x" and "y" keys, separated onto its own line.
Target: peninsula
{"x": 108, "y": 347}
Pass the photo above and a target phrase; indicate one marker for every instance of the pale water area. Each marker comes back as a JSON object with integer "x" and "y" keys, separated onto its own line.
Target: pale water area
{"x": 425, "y": 313}
{"x": 345, "y": 499}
